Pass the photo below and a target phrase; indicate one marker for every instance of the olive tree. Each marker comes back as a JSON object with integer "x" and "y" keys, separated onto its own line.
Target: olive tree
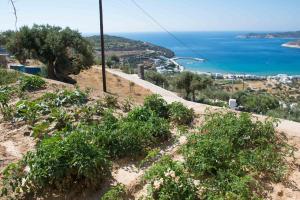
{"x": 63, "y": 51}
{"x": 192, "y": 82}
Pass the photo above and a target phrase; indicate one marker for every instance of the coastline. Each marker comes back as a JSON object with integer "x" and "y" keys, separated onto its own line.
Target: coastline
{"x": 229, "y": 75}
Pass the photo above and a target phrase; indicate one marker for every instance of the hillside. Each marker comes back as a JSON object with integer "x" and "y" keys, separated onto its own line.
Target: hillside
{"x": 91, "y": 143}
{"x": 291, "y": 34}
{"x": 116, "y": 44}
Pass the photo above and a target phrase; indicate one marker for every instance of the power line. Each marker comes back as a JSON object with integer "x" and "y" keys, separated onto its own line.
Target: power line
{"x": 165, "y": 29}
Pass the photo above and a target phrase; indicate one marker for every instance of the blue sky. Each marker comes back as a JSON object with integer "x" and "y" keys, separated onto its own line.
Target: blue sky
{"x": 175, "y": 15}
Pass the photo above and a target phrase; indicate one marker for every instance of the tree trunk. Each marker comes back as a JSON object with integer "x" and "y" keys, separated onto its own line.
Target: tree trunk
{"x": 51, "y": 71}
{"x": 194, "y": 96}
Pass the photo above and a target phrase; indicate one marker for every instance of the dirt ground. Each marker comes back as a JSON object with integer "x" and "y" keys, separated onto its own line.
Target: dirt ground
{"x": 92, "y": 79}
{"x": 289, "y": 190}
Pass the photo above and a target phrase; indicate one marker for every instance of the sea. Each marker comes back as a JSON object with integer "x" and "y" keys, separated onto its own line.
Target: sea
{"x": 224, "y": 52}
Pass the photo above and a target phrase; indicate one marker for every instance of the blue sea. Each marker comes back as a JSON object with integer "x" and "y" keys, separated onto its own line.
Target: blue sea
{"x": 225, "y": 53}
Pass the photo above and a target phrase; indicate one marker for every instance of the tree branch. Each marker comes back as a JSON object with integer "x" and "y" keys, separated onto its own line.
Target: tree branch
{"x": 15, "y": 13}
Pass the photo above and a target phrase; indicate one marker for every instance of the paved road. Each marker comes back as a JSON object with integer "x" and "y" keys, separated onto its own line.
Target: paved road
{"x": 288, "y": 127}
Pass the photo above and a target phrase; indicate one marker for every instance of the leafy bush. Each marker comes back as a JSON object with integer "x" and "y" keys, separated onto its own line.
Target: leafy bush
{"x": 156, "y": 78}
{"x": 157, "y": 104}
{"x": 259, "y": 103}
{"x": 131, "y": 136}
{"x": 117, "y": 192}
{"x": 8, "y": 76}
{"x": 58, "y": 164}
{"x": 232, "y": 155}
{"x": 180, "y": 114}
{"x": 169, "y": 181}
{"x": 6, "y": 110}
{"x": 65, "y": 98}
{"x": 111, "y": 101}
{"x": 29, "y": 111}
{"x": 127, "y": 104}
{"x": 31, "y": 83}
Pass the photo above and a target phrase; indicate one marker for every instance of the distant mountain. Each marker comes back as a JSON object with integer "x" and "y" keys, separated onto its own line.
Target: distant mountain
{"x": 289, "y": 35}
{"x": 120, "y": 44}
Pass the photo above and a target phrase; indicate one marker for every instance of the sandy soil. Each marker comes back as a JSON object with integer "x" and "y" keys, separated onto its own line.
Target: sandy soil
{"x": 290, "y": 190}
{"x": 14, "y": 137}
{"x": 92, "y": 79}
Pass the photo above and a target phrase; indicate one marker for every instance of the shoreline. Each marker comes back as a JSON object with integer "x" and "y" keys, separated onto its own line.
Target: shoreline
{"x": 228, "y": 74}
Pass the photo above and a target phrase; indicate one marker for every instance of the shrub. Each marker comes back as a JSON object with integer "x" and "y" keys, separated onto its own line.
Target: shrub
{"x": 31, "y": 83}
{"x": 65, "y": 98}
{"x": 157, "y": 104}
{"x": 8, "y": 76}
{"x": 6, "y": 110}
{"x": 130, "y": 136}
{"x": 169, "y": 181}
{"x": 111, "y": 101}
{"x": 58, "y": 164}
{"x": 259, "y": 103}
{"x": 156, "y": 78}
{"x": 28, "y": 111}
{"x": 117, "y": 192}
{"x": 127, "y": 104}
{"x": 232, "y": 155}
{"x": 180, "y": 114}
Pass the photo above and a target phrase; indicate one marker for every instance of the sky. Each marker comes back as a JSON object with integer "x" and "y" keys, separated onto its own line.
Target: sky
{"x": 174, "y": 15}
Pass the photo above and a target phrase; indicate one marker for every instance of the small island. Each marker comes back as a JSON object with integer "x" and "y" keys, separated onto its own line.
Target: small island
{"x": 283, "y": 35}
{"x": 293, "y": 44}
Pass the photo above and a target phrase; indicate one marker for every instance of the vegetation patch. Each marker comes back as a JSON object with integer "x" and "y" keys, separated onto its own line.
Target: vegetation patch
{"x": 168, "y": 180}
{"x": 8, "y": 76}
{"x": 32, "y": 83}
{"x": 117, "y": 192}
{"x": 233, "y": 157}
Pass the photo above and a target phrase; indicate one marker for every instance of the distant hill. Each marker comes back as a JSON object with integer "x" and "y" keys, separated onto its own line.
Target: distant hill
{"x": 289, "y": 35}
{"x": 119, "y": 44}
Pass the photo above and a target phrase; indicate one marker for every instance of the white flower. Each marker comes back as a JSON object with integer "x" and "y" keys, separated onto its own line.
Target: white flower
{"x": 23, "y": 182}
{"x": 158, "y": 183}
{"x": 170, "y": 173}
{"x": 196, "y": 183}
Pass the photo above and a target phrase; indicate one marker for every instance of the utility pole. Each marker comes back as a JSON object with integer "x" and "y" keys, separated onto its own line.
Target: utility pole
{"x": 102, "y": 46}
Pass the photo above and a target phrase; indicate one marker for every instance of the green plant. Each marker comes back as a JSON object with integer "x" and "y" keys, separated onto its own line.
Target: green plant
{"x": 111, "y": 101}
{"x": 6, "y": 110}
{"x": 63, "y": 51}
{"x": 28, "y": 110}
{"x": 232, "y": 156}
{"x": 61, "y": 118}
{"x": 157, "y": 104}
{"x": 151, "y": 156}
{"x": 156, "y": 78}
{"x": 169, "y": 181}
{"x": 127, "y": 104}
{"x": 117, "y": 192}
{"x": 57, "y": 164}
{"x": 192, "y": 82}
{"x": 31, "y": 83}
{"x": 40, "y": 130}
{"x": 180, "y": 114}
{"x": 259, "y": 103}
{"x": 65, "y": 98}
{"x": 8, "y": 76}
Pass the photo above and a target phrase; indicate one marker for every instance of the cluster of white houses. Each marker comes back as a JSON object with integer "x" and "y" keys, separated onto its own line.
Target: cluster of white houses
{"x": 169, "y": 66}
